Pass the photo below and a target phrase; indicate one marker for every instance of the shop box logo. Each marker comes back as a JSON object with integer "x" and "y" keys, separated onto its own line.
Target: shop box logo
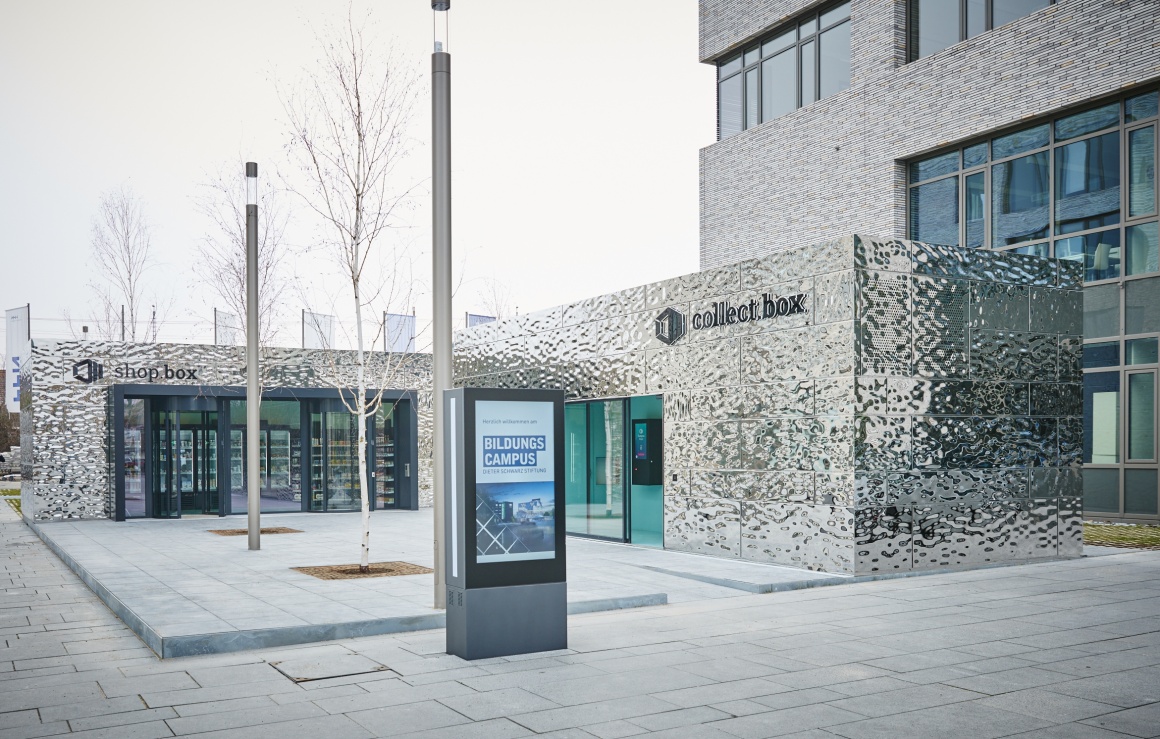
{"x": 88, "y": 371}
{"x": 670, "y": 326}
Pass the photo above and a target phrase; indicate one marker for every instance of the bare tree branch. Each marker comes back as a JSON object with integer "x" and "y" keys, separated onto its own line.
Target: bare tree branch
{"x": 122, "y": 256}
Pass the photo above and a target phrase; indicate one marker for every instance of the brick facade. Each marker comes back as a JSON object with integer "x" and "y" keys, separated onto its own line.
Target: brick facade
{"x": 835, "y": 166}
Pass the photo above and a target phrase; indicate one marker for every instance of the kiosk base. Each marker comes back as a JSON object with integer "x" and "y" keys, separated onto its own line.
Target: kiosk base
{"x": 498, "y": 622}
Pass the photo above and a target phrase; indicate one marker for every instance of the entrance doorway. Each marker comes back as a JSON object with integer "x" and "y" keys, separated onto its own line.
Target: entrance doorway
{"x": 185, "y": 463}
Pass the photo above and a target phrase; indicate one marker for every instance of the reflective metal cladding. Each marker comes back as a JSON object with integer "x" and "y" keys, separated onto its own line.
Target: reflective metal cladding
{"x": 859, "y": 406}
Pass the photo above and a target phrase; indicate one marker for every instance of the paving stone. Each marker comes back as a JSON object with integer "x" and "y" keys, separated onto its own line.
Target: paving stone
{"x": 1143, "y": 721}
{"x": 409, "y": 717}
{"x": 967, "y": 720}
{"x": 497, "y": 703}
{"x": 226, "y": 719}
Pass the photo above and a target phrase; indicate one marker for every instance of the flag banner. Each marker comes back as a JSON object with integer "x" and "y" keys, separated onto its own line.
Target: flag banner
{"x": 477, "y": 320}
{"x": 227, "y": 328}
{"x": 18, "y": 345}
{"x": 400, "y": 332}
{"x": 317, "y": 330}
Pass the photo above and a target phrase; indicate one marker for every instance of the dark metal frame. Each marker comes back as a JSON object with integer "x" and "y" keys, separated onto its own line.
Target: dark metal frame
{"x": 406, "y": 488}
{"x": 989, "y": 20}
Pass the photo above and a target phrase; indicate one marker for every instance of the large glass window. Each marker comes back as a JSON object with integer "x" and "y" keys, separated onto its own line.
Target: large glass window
{"x": 1101, "y": 423}
{"x": 133, "y": 464}
{"x": 936, "y": 24}
{"x": 786, "y": 70}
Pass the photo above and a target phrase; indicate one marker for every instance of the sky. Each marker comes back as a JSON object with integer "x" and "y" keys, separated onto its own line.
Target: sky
{"x": 576, "y": 130}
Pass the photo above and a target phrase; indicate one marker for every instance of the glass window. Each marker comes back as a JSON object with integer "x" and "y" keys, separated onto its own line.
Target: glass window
{"x": 834, "y": 50}
{"x": 1140, "y": 351}
{"x": 1019, "y": 209}
{"x": 809, "y": 84}
{"x": 1141, "y": 107}
{"x": 1099, "y": 252}
{"x": 728, "y": 67}
{"x": 830, "y": 17}
{"x": 752, "y": 55}
{"x": 808, "y": 26}
{"x": 729, "y": 107}
{"x": 1101, "y": 418}
{"x": 975, "y": 155}
{"x": 1101, "y": 311}
{"x": 1087, "y": 122}
{"x": 1101, "y": 491}
{"x": 777, "y": 43}
{"x": 1142, "y": 416}
{"x": 1142, "y": 171}
{"x": 976, "y": 17}
{"x": 934, "y": 25}
{"x": 1005, "y": 11}
{"x": 133, "y": 465}
{"x": 1020, "y": 141}
{"x": 778, "y": 86}
{"x": 1087, "y": 184}
{"x": 1035, "y": 250}
{"x": 934, "y": 212}
{"x": 1140, "y": 492}
{"x": 934, "y": 167}
{"x": 1103, "y": 354}
{"x": 1143, "y": 256}
{"x": 1141, "y": 306}
{"x": 976, "y": 208}
{"x": 752, "y": 100}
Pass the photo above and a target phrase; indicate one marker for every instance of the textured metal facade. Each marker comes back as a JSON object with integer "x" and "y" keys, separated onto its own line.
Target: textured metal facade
{"x": 923, "y": 411}
{"x": 66, "y": 429}
{"x": 835, "y": 166}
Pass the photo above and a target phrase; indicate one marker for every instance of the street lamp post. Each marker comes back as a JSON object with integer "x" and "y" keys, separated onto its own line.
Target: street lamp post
{"x": 441, "y": 262}
{"x": 253, "y": 387}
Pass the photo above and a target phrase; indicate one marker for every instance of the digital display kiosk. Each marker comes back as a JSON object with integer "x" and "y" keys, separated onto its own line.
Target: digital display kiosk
{"x": 504, "y": 536}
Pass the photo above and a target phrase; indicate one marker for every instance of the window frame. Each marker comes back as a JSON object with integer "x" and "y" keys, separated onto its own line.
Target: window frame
{"x": 912, "y": 50}
{"x": 795, "y": 47}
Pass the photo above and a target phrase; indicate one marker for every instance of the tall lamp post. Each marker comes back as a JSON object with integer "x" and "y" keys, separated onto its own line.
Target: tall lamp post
{"x": 441, "y": 262}
{"x": 253, "y": 388}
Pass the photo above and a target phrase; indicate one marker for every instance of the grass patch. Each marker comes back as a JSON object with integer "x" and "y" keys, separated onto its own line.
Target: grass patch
{"x": 13, "y": 501}
{"x": 1129, "y": 536}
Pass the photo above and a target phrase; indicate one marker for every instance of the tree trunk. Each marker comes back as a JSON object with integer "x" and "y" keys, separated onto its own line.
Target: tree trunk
{"x": 361, "y": 405}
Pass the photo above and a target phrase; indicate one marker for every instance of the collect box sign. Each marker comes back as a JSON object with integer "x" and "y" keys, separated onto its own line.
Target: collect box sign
{"x": 506, "y": 590}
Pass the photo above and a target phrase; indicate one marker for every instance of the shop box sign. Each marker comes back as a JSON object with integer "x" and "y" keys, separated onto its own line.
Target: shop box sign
{"x": 504, "y": 542}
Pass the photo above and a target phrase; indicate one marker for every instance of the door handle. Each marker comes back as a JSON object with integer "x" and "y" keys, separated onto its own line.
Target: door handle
{"x": 407, "y": 469}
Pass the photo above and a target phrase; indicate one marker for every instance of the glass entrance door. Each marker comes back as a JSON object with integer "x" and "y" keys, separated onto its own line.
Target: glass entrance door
{"x": 185, "y": 472}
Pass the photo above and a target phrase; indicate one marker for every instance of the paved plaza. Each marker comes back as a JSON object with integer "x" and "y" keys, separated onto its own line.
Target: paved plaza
{"x": 1051, "y": 650}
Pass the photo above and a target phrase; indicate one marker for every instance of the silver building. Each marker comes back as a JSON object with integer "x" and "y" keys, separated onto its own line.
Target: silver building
{"x": 858, "y": 406}
{"x": 1015, "y": 125}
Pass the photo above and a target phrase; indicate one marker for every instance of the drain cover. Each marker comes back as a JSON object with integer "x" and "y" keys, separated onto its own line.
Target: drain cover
{"x": 305, "y": 670}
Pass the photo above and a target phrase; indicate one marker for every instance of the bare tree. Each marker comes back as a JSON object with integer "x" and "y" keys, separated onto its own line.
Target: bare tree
{"x": 222, "y": 251}
{"x": 494, "y": 296}
{"x": 122, "y": 247}
{"x": 349, "y": 133}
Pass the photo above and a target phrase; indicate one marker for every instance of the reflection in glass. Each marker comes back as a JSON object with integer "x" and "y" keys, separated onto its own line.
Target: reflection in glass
{"x": 1140, "y": 351}
{"x": 934, "y": 25}
{"x": 1099, "y": 252}
{"x": 576, "y": 468}
{"x": 1101, "y": 491}
{"x": 778, "y": 86}
{"x": 1087, "y": 184}
{"x": 133, "y": 464}
{"x": 279, "y": 456}
{"x": 1103, "y": 354}
{"x": 386, "y": 469}
{"x": 809, "y": 84}
{"x": 729, "y": 107}
{"x": 1101, "y": 418}
{"x": 752, "y": 100}
{"x": 975, "y": 155}
{"x": 1101, "y": 311}
{"x": 1042, "y": 249}
{"x": 976, "y": 208}
{"x": 1142, "y": 416}
{"x": 1020, "y": 141}
{"x": 1142, "y": 171}
{"x": 1140, "y": 492}
{"x": 342, "y": 476}
{"x": 1019, "y": 197}
{"x": 1141, "y": 107}
{"x": 1005, "y": 11}
{"x": 1143, "y": 256}
{"x": 1141, "y": 306}
{"x": 942, "y": 164}
{"x": 934, "y": 212}
{"x": 1087, "y": 122}
{"x": 646, "y": 501}
{"x": 835, "y": 59}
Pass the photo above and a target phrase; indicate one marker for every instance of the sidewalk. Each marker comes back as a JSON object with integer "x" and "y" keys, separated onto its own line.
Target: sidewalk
{"x": 187, "y": 591}
{"x": 1052, "y": 650}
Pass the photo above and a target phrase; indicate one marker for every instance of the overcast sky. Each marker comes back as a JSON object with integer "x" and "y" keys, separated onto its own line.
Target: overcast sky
{"x": 576, "y": 134}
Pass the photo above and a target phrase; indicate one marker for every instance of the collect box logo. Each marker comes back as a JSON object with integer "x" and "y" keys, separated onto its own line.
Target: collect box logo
{"x": 88, "y": 371}
{"x": 670, "y": 326}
